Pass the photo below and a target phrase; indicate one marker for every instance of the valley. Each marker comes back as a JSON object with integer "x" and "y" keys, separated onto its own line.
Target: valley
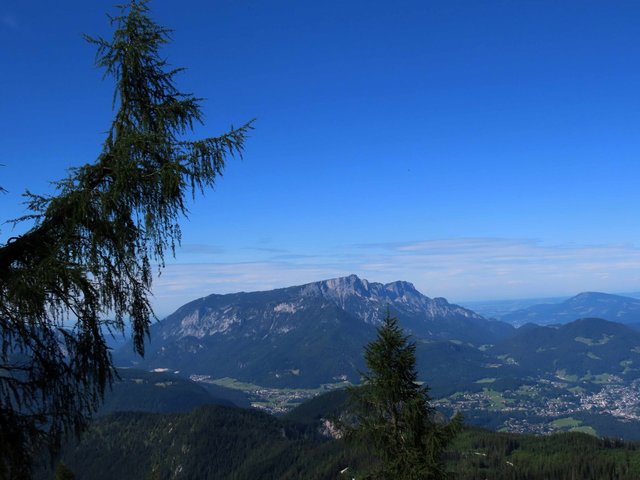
{"x": 276, "y": 401}
{"x": 539, "y": 406}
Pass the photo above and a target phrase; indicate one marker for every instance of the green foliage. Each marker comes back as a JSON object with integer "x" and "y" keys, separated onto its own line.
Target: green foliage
{"x": 63, "y": 473}
{"x": 393, "y": 417}
{"x": 88, "y": 255}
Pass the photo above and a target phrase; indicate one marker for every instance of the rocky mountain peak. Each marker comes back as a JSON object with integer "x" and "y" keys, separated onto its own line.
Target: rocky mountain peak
{"x": 336, "y": 288}
{"x": 441, "y": 301}
{"x": 401, "y": 288}
{"x": 352, "y": 283}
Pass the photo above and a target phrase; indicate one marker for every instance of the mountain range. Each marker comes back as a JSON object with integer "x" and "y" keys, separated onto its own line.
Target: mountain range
{"x": 301, "y": 336}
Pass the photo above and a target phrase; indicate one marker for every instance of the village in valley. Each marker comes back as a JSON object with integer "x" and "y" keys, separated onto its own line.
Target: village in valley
{"x": 548, "y": 405}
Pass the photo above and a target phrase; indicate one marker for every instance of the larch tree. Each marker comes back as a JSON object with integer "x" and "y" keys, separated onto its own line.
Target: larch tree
{"x": 85, "y": 266}
{"x": 391, "y": 413}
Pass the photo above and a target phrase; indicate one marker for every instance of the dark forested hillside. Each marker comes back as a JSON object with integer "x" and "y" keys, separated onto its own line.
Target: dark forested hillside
{"x": 480, "y": 454}
{"x": 215, "y": 442}
{"x": 211, "y": 442}
{"x": 586, "y": 346}
{"x": 163, "y": 392}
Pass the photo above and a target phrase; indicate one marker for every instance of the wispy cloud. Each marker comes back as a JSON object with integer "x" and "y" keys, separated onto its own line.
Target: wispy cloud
{"x": 459, "y": 269}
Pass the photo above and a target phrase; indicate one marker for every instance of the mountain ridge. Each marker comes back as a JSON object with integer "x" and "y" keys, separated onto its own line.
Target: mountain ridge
{"x": 268, "y": 337}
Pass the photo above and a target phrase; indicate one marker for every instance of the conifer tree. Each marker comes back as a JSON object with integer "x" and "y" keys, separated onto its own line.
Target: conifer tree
{"x": 393, "y": 418}
{"x": 88, "y": 255}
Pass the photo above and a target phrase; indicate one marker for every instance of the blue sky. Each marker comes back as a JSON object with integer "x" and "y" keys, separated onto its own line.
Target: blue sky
{"x": 481, "y": 150}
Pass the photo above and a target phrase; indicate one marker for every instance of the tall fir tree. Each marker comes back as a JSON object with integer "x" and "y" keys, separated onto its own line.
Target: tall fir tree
{"x": 392, "y": 416}
{"x": 85, "y": 266}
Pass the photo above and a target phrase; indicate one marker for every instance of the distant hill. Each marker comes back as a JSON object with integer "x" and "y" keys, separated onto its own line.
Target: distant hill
{"x": 584, "y": 375}
{"x": 585, "y": 347}
{"x": 580, "y": 350}
{"x": 448, "y": 367}
{"x": 300, "y": 336}
{"x": 163, "y": 392}
{"x": 615, "y": 308}
{"x": 499, "y": 308}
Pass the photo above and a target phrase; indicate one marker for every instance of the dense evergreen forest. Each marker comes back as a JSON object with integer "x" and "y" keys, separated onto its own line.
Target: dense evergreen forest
{"x": 480, "y": 453}
{"x": 217, "y": 442}
{"x": 211, "y": 442}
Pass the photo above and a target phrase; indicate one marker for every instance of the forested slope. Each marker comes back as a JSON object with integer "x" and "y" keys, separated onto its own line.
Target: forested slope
{"x": 216, "y": 442}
